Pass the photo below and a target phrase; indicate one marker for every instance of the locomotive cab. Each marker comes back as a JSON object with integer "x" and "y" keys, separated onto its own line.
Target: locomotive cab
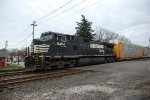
{"x": 46, "y": 36}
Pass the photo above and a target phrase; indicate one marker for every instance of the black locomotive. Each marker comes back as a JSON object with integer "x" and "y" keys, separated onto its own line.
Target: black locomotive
{"x": 57, "y": 50}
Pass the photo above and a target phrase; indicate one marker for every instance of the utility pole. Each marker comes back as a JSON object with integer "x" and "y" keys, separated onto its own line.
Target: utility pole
{"x": 149, "y": 42}
{"x": 33, "y": 24}
{"x": 6, "y": 44}
{"x": 18, "y": 59}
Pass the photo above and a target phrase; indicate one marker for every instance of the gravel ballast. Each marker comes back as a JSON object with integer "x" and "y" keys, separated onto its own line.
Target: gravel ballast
{"x": 128, "y": 80}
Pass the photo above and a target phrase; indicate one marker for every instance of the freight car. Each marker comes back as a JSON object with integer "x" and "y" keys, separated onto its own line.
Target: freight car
{"x": 146, "y": 52}
{"x": 126, "y": 51}
{"x": 57, "y": 50}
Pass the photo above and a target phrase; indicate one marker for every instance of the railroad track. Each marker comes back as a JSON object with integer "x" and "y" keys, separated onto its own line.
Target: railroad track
{"x": 17, "y": 81}
{"x": 13, "y": 73}
{"x": 4, "y": 74}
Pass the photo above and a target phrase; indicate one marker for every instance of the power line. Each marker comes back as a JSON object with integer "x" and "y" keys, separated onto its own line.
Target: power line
{"x": 22, "y": 40}
{"x": 28, "y": 35}
{"x": 26, "y": 43}
{"x": 55, "y": 10}
{"x": 42, "y": 18}
{"x": 39, "y": 20}
{"x": 50, "y": 18}
{"x": 77, "y": 11}
{"x": 64, "y": 11}
{"x": 55, "y": 16}
{"x": 89, "y": 6}
{"x": 20, "y": 33}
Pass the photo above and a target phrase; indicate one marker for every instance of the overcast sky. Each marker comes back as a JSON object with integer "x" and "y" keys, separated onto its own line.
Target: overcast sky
{"x": 128, "y": 17}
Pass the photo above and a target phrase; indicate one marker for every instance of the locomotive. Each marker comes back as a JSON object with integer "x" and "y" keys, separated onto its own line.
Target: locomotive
{"x": 57, "y": 50}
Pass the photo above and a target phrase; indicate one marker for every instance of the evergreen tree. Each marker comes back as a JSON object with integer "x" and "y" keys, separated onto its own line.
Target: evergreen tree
{"x": 84, "y": 28}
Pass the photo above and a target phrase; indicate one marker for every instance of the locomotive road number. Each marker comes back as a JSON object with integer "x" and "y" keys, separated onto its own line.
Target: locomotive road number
{"x": 61, "y": 44}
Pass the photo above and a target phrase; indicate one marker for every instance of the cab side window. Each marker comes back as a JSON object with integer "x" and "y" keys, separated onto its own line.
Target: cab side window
{"x": 59, "y": 38}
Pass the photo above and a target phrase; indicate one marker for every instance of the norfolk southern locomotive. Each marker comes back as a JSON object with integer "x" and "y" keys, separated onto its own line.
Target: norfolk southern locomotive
{"x": 57, "y": 50}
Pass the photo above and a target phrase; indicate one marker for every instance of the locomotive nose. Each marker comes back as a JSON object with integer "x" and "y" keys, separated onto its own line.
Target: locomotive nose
{"x": 41, "y": 48}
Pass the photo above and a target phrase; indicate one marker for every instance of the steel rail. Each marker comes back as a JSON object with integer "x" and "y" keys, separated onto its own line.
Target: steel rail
{"x": 15, "y": 81}
{"x": 3, "y": 74}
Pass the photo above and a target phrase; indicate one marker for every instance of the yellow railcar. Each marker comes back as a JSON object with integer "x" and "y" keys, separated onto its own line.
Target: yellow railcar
{"x": 125, "y": 51}
{"x": 146, "y": 52}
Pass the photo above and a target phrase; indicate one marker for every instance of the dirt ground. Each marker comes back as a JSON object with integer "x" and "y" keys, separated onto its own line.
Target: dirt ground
{"x": 127, "y": 80}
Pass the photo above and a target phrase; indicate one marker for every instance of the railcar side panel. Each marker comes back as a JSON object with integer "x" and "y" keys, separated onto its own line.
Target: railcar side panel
{"x": 125, "y": 51}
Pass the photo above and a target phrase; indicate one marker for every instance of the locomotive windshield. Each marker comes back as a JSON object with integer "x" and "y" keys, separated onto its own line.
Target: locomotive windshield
{"x": 46, "y": 36}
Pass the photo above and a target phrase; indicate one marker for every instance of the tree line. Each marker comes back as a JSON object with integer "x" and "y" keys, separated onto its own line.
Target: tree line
{"x": 100, "y": 34}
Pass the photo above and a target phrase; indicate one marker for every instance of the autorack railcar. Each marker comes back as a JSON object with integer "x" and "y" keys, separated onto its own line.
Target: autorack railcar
{"x": 126, "y": 51}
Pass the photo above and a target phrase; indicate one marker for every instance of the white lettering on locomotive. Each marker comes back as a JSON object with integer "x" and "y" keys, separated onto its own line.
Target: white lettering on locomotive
{"x": 61, "y": 44}
{"x": 96, "y": 46}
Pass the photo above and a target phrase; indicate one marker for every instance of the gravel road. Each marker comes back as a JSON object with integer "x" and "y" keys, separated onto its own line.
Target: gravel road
{"x": 127, "y": 80}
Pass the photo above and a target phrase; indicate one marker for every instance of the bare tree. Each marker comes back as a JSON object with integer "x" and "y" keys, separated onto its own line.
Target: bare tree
{"x": 104, "y": 35}
{"x": 124, "y": 39}
{"x": 16, "y": 52}
{"x": 13, "y": 52}
{"x": 22, "y": 51}
{"x": 99, "y": 35}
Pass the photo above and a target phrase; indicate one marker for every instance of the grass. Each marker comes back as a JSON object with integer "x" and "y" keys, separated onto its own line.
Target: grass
{"x": 11, "y": 68}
